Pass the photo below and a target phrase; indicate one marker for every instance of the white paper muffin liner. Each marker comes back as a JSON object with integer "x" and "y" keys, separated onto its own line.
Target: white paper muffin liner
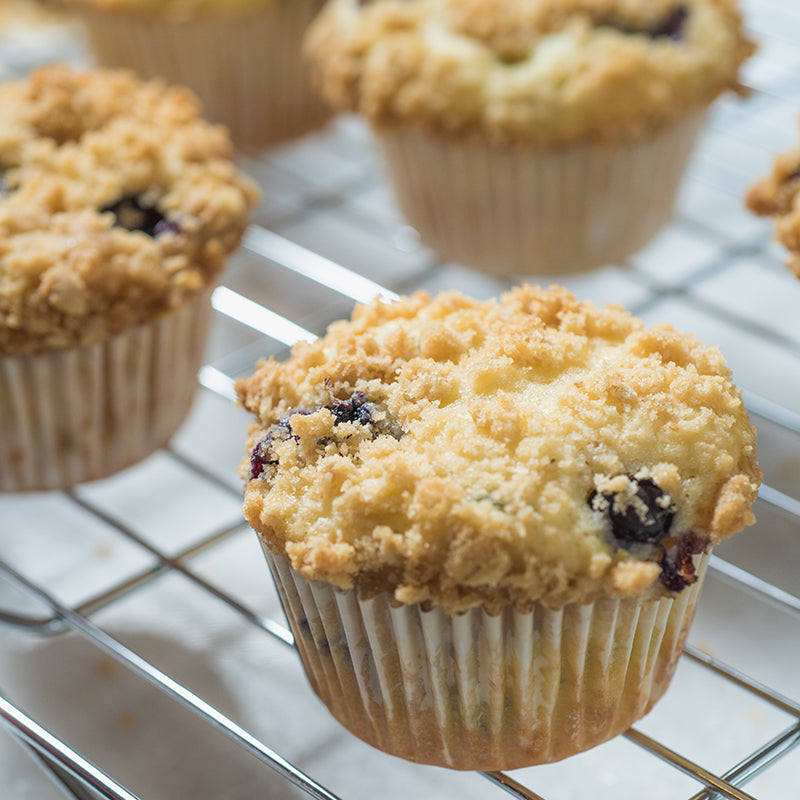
{"x": 82, "y": 413}
{"x": 479, "y": 691}
{"x": 506, "y": 210}
{"x": 246, "y": 69}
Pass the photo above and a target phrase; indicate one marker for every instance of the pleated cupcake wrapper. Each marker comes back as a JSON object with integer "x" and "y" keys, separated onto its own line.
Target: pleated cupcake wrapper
{"x": 246, "y": 69}
{"x": 513, "y": 211}
{"x": 479, "y": 691}
{"x": 82, "y": 413}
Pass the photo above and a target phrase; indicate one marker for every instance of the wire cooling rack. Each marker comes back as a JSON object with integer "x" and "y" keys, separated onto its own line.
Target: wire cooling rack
{"x": 142, "y": 648}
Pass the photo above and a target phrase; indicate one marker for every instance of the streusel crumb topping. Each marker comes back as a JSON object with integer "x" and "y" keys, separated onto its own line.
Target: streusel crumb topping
{"x": 462, "y": 453}
{"x": 117, "y": 202}
{"x": 529, "y": 72}
{"x": 778, "y": 196}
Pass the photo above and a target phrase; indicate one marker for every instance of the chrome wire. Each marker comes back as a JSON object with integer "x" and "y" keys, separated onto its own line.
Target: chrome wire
{"x": 58, "y": 756}
{"x": 169, "y": 686}
{"x": 745, "y": 682}
{"x": 687, "y": 766}
{"x": 750, "y": 767}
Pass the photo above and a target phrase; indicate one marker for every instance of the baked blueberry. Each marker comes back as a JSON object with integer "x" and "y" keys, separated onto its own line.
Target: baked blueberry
{"x": 358, "y": 408}
{"x": 628, "y": 524}
{"x": 261, "y": 454}
{"x": 134, "y": 215}
{"x": 677, "y": 566}
{"x": 671, "y": 26}
{"x": 355, "y": 409}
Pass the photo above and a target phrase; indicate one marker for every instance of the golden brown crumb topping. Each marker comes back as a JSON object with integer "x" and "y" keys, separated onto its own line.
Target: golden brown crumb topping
{"x": 176, "y": 9}
{"x": 460, "y": 453}
{"x": 541, "y": 73}
{"x": 117, "y": 202}
{"x": 778, "y": 196}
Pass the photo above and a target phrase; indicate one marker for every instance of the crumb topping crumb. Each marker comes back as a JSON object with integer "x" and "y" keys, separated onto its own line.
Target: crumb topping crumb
{"x": 778, "y": 196}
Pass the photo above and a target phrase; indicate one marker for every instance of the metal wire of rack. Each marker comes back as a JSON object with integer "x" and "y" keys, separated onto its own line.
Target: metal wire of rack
{"x": 327, "y": 236}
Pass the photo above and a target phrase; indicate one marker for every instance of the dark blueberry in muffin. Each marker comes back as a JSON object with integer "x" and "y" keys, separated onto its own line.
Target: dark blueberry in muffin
{"x": 672, "y": 26}
{"x": 134, "y": 215}
{"x": 261, "y": 455}
{"x": 355, "y": 409}
{"x": 358, "y": 408}
{"x": 627, "y": 525}
{"x": 677, "y": 567}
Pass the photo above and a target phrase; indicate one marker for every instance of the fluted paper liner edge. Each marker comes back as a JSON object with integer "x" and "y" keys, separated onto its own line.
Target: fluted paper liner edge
{"x": 73, "y": 415}
{"x": 512, "y": 211}
{"x": 479, "y": 691}
{"x": 245, "y": 68}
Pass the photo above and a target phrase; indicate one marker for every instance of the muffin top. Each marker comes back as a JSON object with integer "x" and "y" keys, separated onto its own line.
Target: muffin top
{"x": 778, "y": 195}
{"x": 117, "y": 203}
{"x": 530, "y": 72}
{"x": 461, "y": 453}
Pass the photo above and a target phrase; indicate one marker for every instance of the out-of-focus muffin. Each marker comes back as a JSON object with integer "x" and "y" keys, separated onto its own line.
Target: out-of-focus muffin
{"x": 118, "y": 207}
{"x": 241, "y": 57}
{"x": 489, "y": 521}
{"x": 778, "y": 195}
{"x": 531, "y": 137}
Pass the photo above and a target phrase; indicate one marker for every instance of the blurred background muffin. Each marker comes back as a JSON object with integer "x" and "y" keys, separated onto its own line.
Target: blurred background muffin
{"x": 241, "y": 57}
{"x": 118, "y": 207}
{"x": 531, "y": 137}
{"x": 777, "y": 195}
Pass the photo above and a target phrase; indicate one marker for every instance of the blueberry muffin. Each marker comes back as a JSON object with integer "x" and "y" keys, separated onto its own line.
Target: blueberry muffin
{"x": 118, "y": 208}
{"x": 528, "y": 136}
{"x": 778, "y": 196}
{"x": 489, "y": 521}
{"x": 241, "y": 57}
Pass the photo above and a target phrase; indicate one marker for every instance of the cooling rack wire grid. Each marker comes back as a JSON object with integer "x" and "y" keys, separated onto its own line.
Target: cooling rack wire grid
{"x": 143, "y": 653}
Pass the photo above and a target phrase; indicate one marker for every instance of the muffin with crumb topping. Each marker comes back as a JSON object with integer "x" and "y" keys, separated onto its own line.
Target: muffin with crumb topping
{"x": 489, "y": 521}
{"x": 241, "y": 57}
{"x": 118, "y": 208}
{"x": 531, "y": 137}
{"x": 778, "y": 196}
